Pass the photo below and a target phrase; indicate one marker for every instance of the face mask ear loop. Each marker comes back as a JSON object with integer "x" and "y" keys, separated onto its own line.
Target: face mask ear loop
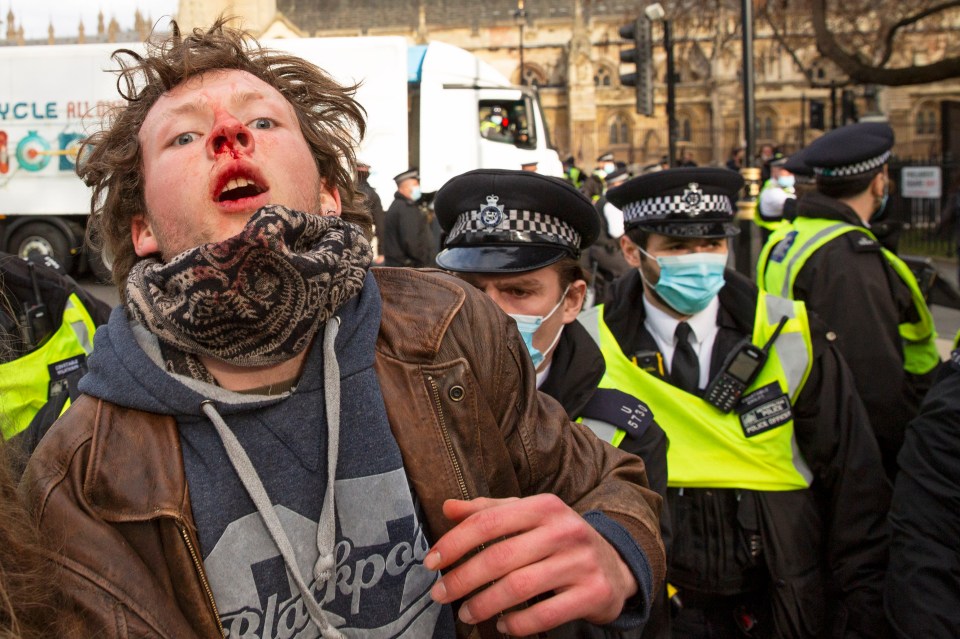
{"x": 640, "y": 270}
{"x": 559, "y": 332}
{"x": 563, "y": 297}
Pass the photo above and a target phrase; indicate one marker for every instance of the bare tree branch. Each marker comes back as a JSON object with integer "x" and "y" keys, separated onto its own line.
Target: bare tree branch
{"x": 913, "y": 19}
{"x": 860, "y": 71}
{"x": 808, "y": 73}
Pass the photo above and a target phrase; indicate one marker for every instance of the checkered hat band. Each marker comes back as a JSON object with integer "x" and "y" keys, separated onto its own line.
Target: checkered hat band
{"x": 513, "y": 220}
{"x": 665, "y": 204}
{"x": 854, "y": 169}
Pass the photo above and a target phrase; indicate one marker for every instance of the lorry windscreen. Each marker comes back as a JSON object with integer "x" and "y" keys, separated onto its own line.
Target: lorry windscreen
{"x": 507, "y": 121}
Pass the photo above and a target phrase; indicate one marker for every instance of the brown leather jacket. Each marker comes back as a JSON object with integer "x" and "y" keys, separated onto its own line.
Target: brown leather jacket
{"x": 107, "y": 483}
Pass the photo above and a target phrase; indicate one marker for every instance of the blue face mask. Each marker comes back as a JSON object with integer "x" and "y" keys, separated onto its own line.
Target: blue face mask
{"x": 688, "y": 282}
{"x": 881, "y": 211}
{"x": 528, "y": 326}
{"x": 786, "y": 181}
{"x": 416, "y": 194}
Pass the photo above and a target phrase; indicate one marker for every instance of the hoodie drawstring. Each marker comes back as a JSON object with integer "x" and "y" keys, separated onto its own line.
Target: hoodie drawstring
{"x": 326, "y": 529}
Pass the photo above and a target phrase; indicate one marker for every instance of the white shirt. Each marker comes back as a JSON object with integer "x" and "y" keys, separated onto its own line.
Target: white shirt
{"x": 542, "y": 375}
{"x": 772, "y": 200}
{"x": 703, "y": 334}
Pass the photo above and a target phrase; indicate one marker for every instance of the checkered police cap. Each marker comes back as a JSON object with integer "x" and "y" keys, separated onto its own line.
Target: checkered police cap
{"x": 514, "y": 224}
{"x": 691, "y": 204}
{"x": 498, "y": 220}
{"x": 864, "y": 166}
{"x": 684, "y": 201}
{"x": 852, "y": 150}
{"x": 409, "y": 174}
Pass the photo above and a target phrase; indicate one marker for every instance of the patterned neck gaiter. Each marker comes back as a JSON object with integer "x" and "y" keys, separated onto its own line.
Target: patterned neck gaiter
{"x": 257, "y": 298}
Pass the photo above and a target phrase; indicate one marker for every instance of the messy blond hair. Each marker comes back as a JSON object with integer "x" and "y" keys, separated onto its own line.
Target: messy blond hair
{"x": 331, "y": 120}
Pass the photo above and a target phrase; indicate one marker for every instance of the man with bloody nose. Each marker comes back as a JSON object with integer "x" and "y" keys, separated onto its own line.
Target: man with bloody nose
{"x": 776, "y": 492}
{"x": 274, "y": 439}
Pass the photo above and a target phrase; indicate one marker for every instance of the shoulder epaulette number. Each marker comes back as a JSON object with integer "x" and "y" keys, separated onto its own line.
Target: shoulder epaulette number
{"x": 862, "y": 243}
{"x": 620, "y": 409}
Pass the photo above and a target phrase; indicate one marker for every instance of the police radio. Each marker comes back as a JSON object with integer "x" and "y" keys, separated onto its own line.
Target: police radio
{"x": 738, "y": 371}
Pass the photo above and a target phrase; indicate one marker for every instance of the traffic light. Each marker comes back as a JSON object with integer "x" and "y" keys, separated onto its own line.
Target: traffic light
{"x": 816, "y": 115}
{"x": 848, "y": 106}
{"x": 639, "y": 32}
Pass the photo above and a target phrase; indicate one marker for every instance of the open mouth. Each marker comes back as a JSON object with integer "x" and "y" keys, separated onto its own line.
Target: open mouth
{"x": 238, "y": 188}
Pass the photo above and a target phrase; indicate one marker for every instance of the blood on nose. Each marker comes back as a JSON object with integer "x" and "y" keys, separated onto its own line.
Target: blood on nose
{"x": 222, "y": 145}
{"x": 229, "y": 138}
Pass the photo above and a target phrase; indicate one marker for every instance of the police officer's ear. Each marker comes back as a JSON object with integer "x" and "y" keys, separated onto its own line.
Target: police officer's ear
{"x": 573, "y": 302}
{"x": 878, "y": 185}
{"x": 631, "y": 252}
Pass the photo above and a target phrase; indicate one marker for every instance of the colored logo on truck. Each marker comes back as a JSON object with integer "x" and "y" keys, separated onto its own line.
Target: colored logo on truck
{"x": 69, "y": 149}
{"x": 4, "y": 153}
{"x": 33, "y": 152}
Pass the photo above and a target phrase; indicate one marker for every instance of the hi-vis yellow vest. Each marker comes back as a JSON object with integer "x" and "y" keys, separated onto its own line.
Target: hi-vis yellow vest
{"x": 753, "y": 447}
{"x": 25, "y": 381}
{"x": 778, "y": 267}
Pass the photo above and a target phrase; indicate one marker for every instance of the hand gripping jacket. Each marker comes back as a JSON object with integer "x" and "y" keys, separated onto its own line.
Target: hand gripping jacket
{"x": 752, "y": 447}
{"x": 792, "y": 244}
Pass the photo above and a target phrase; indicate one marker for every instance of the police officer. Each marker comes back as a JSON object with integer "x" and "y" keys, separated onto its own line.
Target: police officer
{"x": 774, "y": 193}
{"x": 606, "y": 164}
{"x": 372, "y": 202}
{"x": 776, "y": 493}
{"x": 518, "y": 236}
{"x": 47, "y": 324}
{"x": 830, "y": 258}
{"x": 412, "y": 237}
{"x": 921, "y": 594}
{"x": 572, "y": 172}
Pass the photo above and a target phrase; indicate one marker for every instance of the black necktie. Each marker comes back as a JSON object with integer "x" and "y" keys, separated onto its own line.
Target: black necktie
{"x": 685, "y": 368}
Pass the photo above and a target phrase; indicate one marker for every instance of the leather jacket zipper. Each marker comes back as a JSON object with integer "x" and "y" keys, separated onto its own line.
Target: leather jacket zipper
{"x": 203, "y": 576}
{"x": 447, "y": 441}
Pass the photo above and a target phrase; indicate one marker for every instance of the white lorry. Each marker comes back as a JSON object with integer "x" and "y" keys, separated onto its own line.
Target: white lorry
{"x": 436, "y": 107}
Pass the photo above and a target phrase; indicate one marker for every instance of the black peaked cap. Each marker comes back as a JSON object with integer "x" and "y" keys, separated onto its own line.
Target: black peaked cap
{"x": 797, "y": 165}
{"x": 851, "y": 150}
{"x": 681, "y": 202}
{"x": 411, "y": 173}
{"x": 504, "y": 221}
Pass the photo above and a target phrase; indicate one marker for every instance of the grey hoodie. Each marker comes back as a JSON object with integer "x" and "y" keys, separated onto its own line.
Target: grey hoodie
{"x": 257, "y": 469}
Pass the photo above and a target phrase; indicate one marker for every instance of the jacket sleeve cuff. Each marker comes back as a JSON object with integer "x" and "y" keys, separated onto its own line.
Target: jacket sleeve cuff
{"x": 637, "y": 608}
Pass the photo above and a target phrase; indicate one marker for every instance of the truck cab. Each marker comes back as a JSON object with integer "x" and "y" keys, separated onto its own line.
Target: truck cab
{"x": 471, "y": 117}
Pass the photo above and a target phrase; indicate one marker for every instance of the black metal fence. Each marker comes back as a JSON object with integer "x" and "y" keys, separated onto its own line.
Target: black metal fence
{"x": 926, "y": 227}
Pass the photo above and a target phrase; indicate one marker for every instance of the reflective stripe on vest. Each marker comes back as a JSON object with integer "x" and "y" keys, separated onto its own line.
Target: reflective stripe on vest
{"x": 25, "y": 381}
{"x": 792, "y": 244}
{"x": 604, "y": 430}
{"x": 709, "y": 448}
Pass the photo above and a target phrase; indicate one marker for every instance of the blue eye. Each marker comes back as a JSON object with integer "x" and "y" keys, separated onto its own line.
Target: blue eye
{"x": 263, "y": 123}
{"x": 184, "y": 138}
